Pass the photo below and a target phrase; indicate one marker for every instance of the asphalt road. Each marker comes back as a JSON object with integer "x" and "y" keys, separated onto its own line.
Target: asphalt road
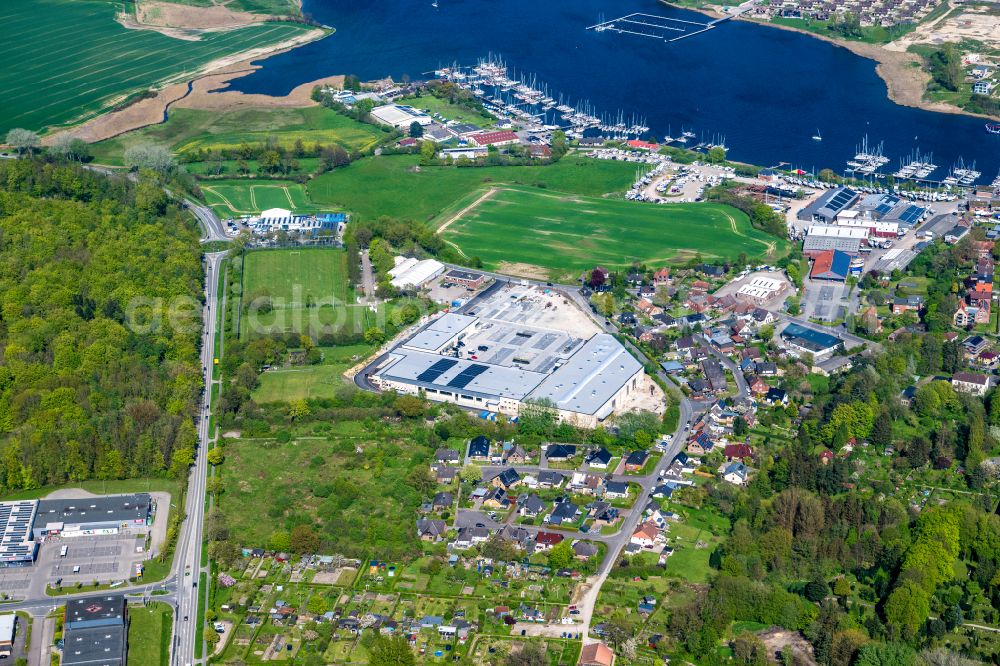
{"x": 212, "y": 225}
{"x": 187, "y": 558}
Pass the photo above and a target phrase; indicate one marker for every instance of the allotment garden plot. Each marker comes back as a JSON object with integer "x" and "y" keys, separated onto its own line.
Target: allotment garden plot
{"x": 74, "y": 60}
{"x": 303, "y": 291}
{"x": 550, "y": 234}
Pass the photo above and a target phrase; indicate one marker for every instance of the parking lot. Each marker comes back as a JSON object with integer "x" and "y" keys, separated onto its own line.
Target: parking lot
{"x": 825, "y": 301}
{"x": 106, "y": 559}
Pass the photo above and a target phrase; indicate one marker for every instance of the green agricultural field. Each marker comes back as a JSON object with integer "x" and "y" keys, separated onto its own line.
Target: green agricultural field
{"x": 231, "y": 198}
{"x": 74, "y": 59}
{"x": 398, "y": 187}
{"x": 300, "y": 290}
{"x": 555, "y": 235}
{"x": 189, "y": 130}
{"x": 149, "y": 634}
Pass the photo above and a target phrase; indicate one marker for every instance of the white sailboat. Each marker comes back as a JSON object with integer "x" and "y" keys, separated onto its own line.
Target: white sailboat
{"x": 817, "y": 136}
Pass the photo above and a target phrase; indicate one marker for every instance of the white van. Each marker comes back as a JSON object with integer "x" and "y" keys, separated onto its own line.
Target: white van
{"x": 63, "y": 551}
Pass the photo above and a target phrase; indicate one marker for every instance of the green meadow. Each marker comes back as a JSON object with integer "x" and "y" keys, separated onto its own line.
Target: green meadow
{"x": 190, "y": 130}
{"x": 535, "y": 232}
{"x": 397, "y": 186}
{"x": 73, "y": 60}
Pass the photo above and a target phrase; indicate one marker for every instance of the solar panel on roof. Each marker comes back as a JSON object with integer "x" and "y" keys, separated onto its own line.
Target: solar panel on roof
{"x": 439, "y": 368}
{"x": 463, "y": 378}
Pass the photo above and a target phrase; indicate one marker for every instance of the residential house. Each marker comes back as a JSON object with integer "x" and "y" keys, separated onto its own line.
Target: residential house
{"x": 497, "y": 498}
{"x": 599, "y": 459}
{"x": 738, "y": 452}
{"x": 636, "y": 460}
{"x": 907, "y": 304}
{"x": 701, "y": 444}
{"x": 736, "y": 473}
{"x": 971, "y": 382}
{"x": 564, "y": 512}
{"x": 584, "y": 483}
{"x": 615, "y": 490}
{"x": 661, "y": 278}
{"x": 559, "y": 452}
{"x": 469, "y": 537}
{"x": 546, "y": 540}
{"x": 767, "y": 369}
{"x": 514, "y": 454}
{"x": 507, "y": 479}
{"x": 532, "y": 506}
{"x": 442, "y": 501}
{"x": 776, "y": 396}
{"x": 715, "y": 375}
{"x": 596, "y": 654}
{"x": 444, "y": 457}
{"x": 584, "y": 550}
{"x": 446, "y": 475}
{"x": 479, "y": 449}
{"x": 757, "y": 385}
{"x": 548, "y": 478}
{"x": 431, "y": 530}
{"x": 646, "y": 535}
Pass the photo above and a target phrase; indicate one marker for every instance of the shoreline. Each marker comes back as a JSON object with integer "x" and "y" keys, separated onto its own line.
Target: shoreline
{"x": 902, "y": 72}
{"x": 180, "y": 91}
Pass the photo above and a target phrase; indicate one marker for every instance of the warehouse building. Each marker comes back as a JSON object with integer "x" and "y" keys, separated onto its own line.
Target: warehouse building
{"x": 410, "y": 273}
{"x": 8, "y": 626}
{"x": 111, "y": 514}
{"x": 400, "y": 116}
{"x": 504, "y": 368}
{"x": 95, "y": 631}
{"x": 17, "y": 546}
{"x": 829, "y": 205}
{"x": 801, "y": 340}
{"x": 831, "y": 265}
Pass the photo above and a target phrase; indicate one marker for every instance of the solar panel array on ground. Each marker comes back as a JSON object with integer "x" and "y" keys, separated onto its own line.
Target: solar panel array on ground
{"x": 439, "y": 368}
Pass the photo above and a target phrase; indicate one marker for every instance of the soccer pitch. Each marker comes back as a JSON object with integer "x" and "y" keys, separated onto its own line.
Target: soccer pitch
{"x": 74, "y": 60}
{"x": 306, "y": 291}
{"x": 552, "y": 235}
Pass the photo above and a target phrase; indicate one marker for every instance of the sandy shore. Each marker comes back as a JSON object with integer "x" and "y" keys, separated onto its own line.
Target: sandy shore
{"x": 903, "y": 74}
{"x": 214, "y": 76}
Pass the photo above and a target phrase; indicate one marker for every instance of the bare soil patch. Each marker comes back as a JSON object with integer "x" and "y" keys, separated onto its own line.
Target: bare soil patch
{"x": 779, "y": 641}
{"x": 156, "y": 13}
{"x": 529, "y": 271}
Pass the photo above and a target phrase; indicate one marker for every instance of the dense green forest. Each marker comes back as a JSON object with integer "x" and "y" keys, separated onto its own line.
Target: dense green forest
{"x": 100, "y": 285}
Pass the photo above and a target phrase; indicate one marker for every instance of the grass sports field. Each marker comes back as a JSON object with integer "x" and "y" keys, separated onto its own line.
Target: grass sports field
{"x": 396, "y": 186}
{"x": 229, "y": 198}
{"x": 308, "y": 290}
{"x": 554, "y": 235}
{"x": 74, "y": 60}
{"x": 189, "y": 130}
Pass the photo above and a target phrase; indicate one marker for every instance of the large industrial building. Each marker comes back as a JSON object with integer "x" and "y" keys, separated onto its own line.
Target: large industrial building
{"x": 503, "y": 366}
{"x": 95, "y": 631}
{"x": 24, "y": 523}
{"x": 400, "y": 116}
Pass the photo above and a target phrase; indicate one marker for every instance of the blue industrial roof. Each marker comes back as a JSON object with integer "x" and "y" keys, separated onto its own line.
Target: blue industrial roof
{"x": 809, "y": 338}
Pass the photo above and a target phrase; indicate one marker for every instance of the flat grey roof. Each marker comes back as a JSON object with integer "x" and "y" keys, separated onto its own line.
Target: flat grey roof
{"x": 109, "y": 508}
{"x": 588, "y": 379}
{"x": 439, "y": 331}
{"x": 16, "y": 541}
{"x": 98, "y": 646}
{"x": 495, "y": 381}
{"x": 819, "y": 243}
